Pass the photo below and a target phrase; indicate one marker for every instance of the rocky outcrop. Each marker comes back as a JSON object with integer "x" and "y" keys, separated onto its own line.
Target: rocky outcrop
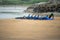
{"x": 44, "y": 7}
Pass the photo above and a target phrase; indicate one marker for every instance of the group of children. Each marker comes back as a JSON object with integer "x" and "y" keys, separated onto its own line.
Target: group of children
{"x": 51, "y": 16}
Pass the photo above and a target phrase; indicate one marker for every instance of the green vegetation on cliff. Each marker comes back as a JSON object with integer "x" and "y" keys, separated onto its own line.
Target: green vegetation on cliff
{"x": 19, "y": 2}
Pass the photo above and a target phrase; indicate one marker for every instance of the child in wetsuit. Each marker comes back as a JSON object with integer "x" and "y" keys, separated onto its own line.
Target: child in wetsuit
{"x": 51, "y": 16}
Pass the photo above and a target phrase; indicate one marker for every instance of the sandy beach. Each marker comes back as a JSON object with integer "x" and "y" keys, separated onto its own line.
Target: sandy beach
{"x": 23, "y": 29}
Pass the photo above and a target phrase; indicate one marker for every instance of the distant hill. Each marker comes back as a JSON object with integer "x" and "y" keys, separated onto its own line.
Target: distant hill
{"x": 18, "y": 2}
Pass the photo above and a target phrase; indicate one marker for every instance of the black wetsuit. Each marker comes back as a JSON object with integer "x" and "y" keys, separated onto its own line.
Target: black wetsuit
{"x": 52, "y": 15}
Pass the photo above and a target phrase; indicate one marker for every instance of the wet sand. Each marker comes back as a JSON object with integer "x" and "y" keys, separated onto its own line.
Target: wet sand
{"x": 13, "y": 29}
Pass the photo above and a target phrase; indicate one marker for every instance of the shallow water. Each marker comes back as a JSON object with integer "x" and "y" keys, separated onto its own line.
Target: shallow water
{"x": 12, "y": 12}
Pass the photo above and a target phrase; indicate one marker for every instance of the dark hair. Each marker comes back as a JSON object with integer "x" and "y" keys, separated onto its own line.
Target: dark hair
{"x": 51, "y": 15}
